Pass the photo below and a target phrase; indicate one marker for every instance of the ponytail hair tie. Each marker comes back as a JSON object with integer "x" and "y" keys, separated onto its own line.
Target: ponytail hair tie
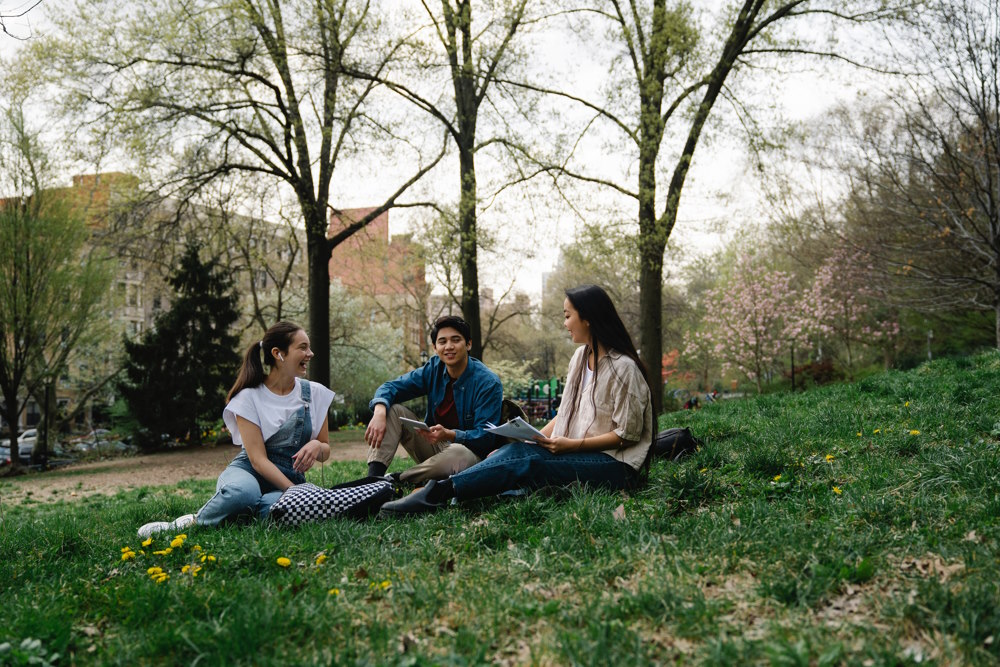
{"x": 261, "y": 343}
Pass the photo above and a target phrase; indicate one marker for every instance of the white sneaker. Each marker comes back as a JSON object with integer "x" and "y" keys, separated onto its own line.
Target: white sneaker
{"x": 179, "y": 523}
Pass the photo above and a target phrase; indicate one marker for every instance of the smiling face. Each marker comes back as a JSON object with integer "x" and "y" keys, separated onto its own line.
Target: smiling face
{"x": 579, "y": 330}
{"x": 296, "y": 358}
{"x": 453, "y": 349}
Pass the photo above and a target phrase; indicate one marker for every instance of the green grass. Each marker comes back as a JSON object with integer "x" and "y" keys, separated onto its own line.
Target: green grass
{"x": 744, "y": 553}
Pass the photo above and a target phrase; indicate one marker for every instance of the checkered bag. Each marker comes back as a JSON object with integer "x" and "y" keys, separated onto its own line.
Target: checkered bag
{"x": 307, "y": 502}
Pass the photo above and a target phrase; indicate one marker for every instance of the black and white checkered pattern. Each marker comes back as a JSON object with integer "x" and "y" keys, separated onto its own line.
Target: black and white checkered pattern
{"x": 307, "y": 502}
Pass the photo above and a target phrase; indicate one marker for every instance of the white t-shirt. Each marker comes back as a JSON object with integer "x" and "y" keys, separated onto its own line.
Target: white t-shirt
{"x": 263, "y": 407}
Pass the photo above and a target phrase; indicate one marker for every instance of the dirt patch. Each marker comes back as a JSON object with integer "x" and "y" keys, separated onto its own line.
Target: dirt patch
{"x": 78, "y": 481}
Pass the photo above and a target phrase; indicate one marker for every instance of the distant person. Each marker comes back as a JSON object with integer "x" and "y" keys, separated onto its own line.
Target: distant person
{"x": 601, "y": 436}
{"x": 279, "y": 418}
{"x": 463, "y": 397}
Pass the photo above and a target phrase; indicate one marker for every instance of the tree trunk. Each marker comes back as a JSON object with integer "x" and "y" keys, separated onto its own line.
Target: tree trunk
{"x": 11, "y": 417}
{"x": 468, "y": 256}
{"x": 318, "y": 251}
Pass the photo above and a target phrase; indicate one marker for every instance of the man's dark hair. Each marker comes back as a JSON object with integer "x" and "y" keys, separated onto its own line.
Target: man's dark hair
{"x": 453, "y": 321}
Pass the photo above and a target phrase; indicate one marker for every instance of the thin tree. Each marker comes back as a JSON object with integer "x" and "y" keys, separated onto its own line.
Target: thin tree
{"x": 475, "y": 52}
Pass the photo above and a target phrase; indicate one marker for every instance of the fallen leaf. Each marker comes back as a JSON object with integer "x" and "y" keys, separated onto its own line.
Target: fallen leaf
{"x": 619, "y": 513}
{"x": 735, "y": 520}
{"x": 972, "y": 537}
{"x": 361, "y": 573}
{"x": 446, "y": 566}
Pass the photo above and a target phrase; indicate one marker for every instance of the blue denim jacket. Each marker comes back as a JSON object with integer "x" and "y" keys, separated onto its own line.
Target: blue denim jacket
{"x": 478, "y": 398}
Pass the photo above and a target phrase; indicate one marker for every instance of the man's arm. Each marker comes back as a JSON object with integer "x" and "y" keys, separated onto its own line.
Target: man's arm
{"x": 486, "y": 409}
{"x": 406, "y": 386}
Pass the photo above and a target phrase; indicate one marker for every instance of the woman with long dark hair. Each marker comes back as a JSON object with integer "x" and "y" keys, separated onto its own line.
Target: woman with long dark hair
{"x": 279, "y": 418}
{"x": 602, "y": 434}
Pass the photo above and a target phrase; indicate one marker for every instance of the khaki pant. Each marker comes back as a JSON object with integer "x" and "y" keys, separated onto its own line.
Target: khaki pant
{"x": 434, "y": 460}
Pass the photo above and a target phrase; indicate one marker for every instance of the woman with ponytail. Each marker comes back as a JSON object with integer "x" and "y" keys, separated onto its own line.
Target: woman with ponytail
{"x": 279, "y": 418}
{"x": 601, "y": 436}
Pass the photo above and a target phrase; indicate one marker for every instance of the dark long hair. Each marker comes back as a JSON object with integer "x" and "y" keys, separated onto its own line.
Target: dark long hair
{"x": 606, "y": 327}
{"x": 251, "y": 373}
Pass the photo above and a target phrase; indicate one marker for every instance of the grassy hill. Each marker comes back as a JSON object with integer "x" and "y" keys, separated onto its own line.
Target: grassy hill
{"x": 854, "y": 524}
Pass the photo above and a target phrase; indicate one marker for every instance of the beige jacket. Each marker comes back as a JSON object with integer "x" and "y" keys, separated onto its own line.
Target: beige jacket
{"x": 617, "y": 400}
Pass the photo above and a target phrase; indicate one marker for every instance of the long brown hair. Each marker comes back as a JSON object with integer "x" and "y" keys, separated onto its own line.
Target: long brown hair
{"x": 251, "y": 373}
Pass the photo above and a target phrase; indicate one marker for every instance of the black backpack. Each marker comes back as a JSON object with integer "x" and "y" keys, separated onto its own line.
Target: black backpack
{"x": 675, "y": 443}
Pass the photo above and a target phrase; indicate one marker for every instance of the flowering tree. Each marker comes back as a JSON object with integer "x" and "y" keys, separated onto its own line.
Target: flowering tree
{"x": 751, "y": 319}
{"x": 841, "y": 307}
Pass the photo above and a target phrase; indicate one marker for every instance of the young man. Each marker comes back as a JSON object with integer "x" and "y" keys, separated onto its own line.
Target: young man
{"x": 463, "y": 395}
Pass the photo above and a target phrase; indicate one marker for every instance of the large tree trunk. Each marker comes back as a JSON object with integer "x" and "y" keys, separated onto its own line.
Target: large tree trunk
{"x": 318, "y": 251}
{"x": 468, "y": 256}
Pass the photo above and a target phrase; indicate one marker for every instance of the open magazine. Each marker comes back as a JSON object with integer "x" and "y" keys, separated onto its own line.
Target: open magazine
{"x": 415, "y": 423}
{"x": 517, "y": 429}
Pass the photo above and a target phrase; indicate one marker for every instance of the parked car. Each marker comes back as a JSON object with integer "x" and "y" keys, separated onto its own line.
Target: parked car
{"x": 4, "y": 456}
{"x": 25, "y": 443}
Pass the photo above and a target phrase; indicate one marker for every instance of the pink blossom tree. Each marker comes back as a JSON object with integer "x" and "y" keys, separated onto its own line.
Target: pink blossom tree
{"x": 751, "y": 320}
{"x": 841, "y": 307}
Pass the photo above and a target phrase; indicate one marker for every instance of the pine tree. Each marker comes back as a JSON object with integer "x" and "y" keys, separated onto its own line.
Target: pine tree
{"x": 176, "y": 376}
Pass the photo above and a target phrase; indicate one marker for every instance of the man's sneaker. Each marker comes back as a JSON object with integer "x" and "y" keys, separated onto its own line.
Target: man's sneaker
{"x": 179, "y": 523}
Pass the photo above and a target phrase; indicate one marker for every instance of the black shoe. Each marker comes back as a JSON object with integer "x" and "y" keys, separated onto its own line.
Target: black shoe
{"x": 415, "y": 503}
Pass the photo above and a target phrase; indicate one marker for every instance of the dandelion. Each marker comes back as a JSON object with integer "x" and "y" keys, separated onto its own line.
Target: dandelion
{"x": 196, "y": 547}
{"x": 859, "y": 434}
{"x": 906, "y": 405}
{"x": 283, "y": 562}
{"x": 176, "y": 543}
{"x": 182, "y": 536}
{"x": 877, "y": 431}
{"x": 124, "y": 549}
{"x": 163, "y": 552}
{"x": 829, "y": 458}
{"x": 914, "y": 432}
{"x": 160, "y": 578}
{"x": 184, "y": 570}
{"x": 320, "y": 559}
{"x": 777, "y": 478}
{"x": 128, "y": 555}
{"x": 154, "y": 570}
{"x": 703, "y": 470}
{"x": 147, "y": 541}
{"x": 334, "y": 591}
{"x": 837, "y": 490}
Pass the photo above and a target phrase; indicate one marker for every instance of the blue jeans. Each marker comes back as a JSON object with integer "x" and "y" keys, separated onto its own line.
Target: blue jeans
{"x": 238, "y": 493}
{"x": 522, "y": 465}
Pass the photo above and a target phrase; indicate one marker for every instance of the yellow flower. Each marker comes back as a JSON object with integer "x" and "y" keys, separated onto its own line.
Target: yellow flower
{"x": 334, "y": 591}
{"x": 182, "y": 536}
{"x": 703, "y": 470}
{"x": 147, "y": 541}
{"x": 283, "y": 562}
{"x": 777, "y": 478}
{"x": 876, "y": 431}
{"x": 128, "y": 555}
{"x": 837, "y": 490}
{"x": 211, "y": 558}
{"x": 196, "y": 547}
{"x": 320, "y": 559}
{"x": 829, "y": 457}
{"x": 177, "y": 543}
{"x": 154, "y": 570}
{"x": 859, "y": 434}
{"x": 160, "y": 578}
{"x": 124, "y": 549}
{"x": 906, "y": 405}
{"x": 185, "y": 569}
{"x": 914, "y": 432}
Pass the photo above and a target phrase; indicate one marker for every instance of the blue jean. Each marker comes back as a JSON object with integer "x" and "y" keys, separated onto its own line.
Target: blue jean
{"x": 238, "y": 493}
{"x": 523, "y": 465}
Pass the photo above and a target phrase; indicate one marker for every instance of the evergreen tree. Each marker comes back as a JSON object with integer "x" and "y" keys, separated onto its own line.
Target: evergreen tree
{"x": 176, "y": 376}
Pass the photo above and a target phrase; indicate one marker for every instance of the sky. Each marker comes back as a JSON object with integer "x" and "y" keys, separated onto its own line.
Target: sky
{"x": 721, "y": 196}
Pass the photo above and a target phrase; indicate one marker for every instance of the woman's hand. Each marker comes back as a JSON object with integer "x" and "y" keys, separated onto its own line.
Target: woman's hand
{"x": 560, "y": 444}
{"x": 304, "y": 459}
{"x": 437, "y": 433}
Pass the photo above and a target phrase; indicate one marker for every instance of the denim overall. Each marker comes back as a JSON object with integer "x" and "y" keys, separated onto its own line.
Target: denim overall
{"x": 241, "y": 490}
